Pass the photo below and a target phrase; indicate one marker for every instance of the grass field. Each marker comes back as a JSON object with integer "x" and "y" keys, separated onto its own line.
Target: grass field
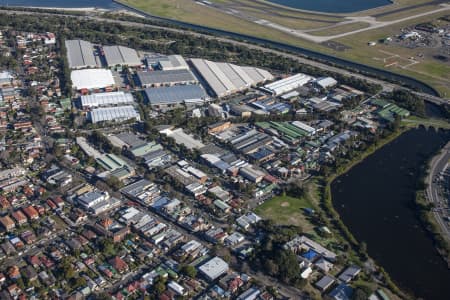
{"x": 287, "y": 210}
{"x": 240, "y": 16}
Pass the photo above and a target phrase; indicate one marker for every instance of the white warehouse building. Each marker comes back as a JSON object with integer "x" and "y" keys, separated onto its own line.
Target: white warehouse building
{"x": 105, "y": 99}
{"x": 225, "y": 79}
{"x": 119, "y": 113}
{"x": 287, "y": 84}
{"x": 92, "y": 79}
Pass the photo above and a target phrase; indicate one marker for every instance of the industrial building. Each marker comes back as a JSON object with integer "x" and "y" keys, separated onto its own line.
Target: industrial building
{"x": 97, "y": 202}
{"x": 214, "y": 268}
{"x": 119, "y": 113}
{"x": 173, "y": 62}
{"x": 114, "y": 166}
{"x": 325, "y": 83}
{"x": 166, "y": 78}
{"x": 310, "y": 130}
{"x": 182, "y": 138}
{"x": 80, "y": 54}
{"x": 224, "y": 79}
{"x": 111, "y": 162}
{"x": 91, "y": 79}
{"x": 252, "y": 174}
{"x": 215, "y": 110}
{"x": 287, "y": 84}
{"x": 105, "y": 99}
{"x": 164, "y": 97}
{"x": 120, "y": 55}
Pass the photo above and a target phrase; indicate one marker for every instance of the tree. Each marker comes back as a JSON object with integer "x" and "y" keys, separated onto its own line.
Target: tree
{"x": 288, "y": 268}
{"x": 107, "y": 247}
{"x": 271, "y": 267}
{"x": 189, "y": 270}
{"x": 78, "y": 282}
{"x": 114, "y": 182}
{"x": 66, "y": 269}
{"x": 159, "y": 287}
{"x": 361, "y": 293}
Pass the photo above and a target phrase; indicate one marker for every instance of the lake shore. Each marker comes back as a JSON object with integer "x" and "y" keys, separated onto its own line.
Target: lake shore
{"x": 327, "y": 199}
{"x": 387, "y": 218}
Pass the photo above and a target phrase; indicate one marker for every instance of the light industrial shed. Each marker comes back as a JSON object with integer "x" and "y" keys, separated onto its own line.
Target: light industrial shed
{"x": 106, "y": 99}
{"x": 170, "y": 77}
{"x": 119, "y": 113}
{"x": 173, "y": 62}
{"x": 287, "y": 84}
{"x": 225, "y": 79}
{"x": 80, "y": 54}
{"x": 92, "y": 79}
{"x": 120, "y": 55}
{"x": 173, "y": 95}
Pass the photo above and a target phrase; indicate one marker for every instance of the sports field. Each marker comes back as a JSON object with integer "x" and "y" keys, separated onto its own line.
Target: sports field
{"x": 321, "y": 31}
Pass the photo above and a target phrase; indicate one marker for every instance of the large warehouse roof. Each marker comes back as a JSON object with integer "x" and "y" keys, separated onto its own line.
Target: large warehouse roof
{"x": 80, "y": 54}
{"x": 287, "y": 84}
{"x": 91, "y": 79}
{"x": 175, "y": 94}
{"x": 119, "y": 55}
{"x": 106, "y": 99}
{"x": 118, "y": 113}
{"x": 173, "y": 62}
{"x": 165, "y": 77}
{"x": 225, "y": 78}
{"x": 183, "y": 138}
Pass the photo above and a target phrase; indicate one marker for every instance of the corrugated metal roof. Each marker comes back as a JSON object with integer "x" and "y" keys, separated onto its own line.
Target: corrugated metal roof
{"x": 166, "y": 77}
{"x": 173, "y": 62}
{"x": 80, "y": 54}
{"x": 225, "y": 78}
{"x": 175, "y": 94}
{"x": 120, "y": 55}
{"x": 113, "y": 114}
{"x": 105, "y": 99}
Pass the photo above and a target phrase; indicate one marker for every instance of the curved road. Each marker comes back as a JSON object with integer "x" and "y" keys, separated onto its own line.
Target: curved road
{"x": 437, "y": 165}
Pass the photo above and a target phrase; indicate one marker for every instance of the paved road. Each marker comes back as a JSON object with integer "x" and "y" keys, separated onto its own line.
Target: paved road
{"x": 437, "y": 165}
{"x": 386, "y": 85}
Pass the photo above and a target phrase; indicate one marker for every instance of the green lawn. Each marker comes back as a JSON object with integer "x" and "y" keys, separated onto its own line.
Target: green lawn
{"x": 286, "y": 210}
